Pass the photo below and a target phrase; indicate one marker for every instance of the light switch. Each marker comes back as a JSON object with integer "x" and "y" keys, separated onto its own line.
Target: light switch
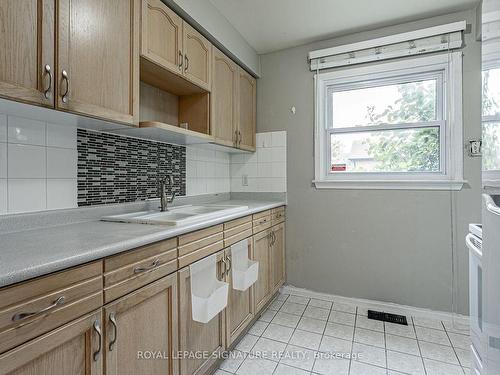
{"x": 244, "y": 180}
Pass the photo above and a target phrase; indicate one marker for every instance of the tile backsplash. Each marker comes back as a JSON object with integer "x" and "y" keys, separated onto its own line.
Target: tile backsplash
{"x": 37, "y": 165}
{"x": 264, "y": 170}
{"x": 208, "y": 171}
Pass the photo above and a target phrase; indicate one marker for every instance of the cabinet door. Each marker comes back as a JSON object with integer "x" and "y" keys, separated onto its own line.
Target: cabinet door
{"x": 143, "y": 321}
{"x": 74, "y": 348}
{"x": 224, "y": 99}
{"x": 240, "y": 306}
{"x": 262, "y": 288}
{"x": 196, "y": 337}
{"x": 27, "y": 51}
{"x": 247, "y": 86}
{"x": 277, "y": 257}
{"x": 98, "y": 58}
{"x": 197, "y": 57}
{"x": 161, "y": 35}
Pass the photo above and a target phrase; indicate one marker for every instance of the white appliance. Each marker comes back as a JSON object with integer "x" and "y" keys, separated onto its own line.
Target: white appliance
{"x": 491, "y": 283}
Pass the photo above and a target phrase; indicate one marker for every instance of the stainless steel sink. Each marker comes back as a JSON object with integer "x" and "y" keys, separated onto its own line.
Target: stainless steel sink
{"x": 177, "y": 215}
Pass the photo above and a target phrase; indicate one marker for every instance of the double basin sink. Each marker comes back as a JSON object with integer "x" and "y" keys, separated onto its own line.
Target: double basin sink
{"x": 177, "y": 215}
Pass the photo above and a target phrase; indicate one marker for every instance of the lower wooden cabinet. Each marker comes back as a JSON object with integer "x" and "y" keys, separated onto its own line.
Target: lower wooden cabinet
{"x": 262, "y": 287}
{"x": 240, "y": 305}
{"x": 73, "y": 349}
{"x": 194, "y": 337}
{"x": 140, "y": 331}
{"x": 277, "y": 255}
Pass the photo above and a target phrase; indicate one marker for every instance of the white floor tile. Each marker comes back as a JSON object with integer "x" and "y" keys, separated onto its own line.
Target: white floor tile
{"x": 401, "y": 330}
{"x": 277, "y": 332}
{"x": 287, "y": 370}
{"x": 221, "y": 372}
{"x": 253, "y": 366}
{"x": 365, "y": 336}
{"x": 457, "y": 327}
{"x": 258, "y": 328}
{"x": 312, "y": 325}
{"x": 438, "y": 352}
{"x": 428, "y": 323}
{"x": 246, "y": 344}
{"x": 406, "y": 363}
{"x": 292, "y": 307}
{"x": 282, "y": 297}
{"x": 369, "y": 354}
{"x": 233, "y": 362}
{"x": 344, "y": 307}
{"x": 464, "y": 356}
{"x": 305, "y": 339}
{"x": 432, "y": 335}
{"x": 268, "y": 349}
{"x": 342, "y": 317}
{"x": 460, "y": 341}
{"x": 402, "y": 344}
{"x": 298, "y": 357}
{"x": 335, "y": 345}
{"x": 276, "y": 305}
{"x": 341, "y": 331}
{"x": 330, "y": 366}
{"x": 267, "y": 316}
{"x": 320, "y": 303}
{"x": 284, "y": 319}
{"x": 358, "y": 368}
{"x": 440, "y": 368}
{"x": 316, "y": 313}
{"x": 298, "y": 299}
{"x": 374, "y": 325}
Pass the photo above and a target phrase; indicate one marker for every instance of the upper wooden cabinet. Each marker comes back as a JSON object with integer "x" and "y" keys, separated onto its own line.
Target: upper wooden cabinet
{"x": 224, "y": 101}
{"x": 142, "y": 321}
{"x": 27, "y": 31}
{"x": 172, "y": 44}
{"x": 247, "y": 91}
{"x": 97, "y": 67}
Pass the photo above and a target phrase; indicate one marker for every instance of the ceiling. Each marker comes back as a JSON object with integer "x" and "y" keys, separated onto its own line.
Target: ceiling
{"x": 271, "y": 25}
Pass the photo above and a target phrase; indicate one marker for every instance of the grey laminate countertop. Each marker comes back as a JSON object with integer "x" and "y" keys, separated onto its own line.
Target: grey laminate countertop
{"x": 32, "y": 253}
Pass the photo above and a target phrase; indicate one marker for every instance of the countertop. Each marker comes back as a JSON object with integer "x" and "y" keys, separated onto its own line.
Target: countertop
{"x": 31, "y": 253}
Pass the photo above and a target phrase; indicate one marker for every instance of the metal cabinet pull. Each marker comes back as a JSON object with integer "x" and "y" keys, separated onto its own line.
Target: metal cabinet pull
{"x": 46, "y": 93}
{"x": 239, "y": 138}
{"x": 155, "y": 264}
{"x": 21, "y": 316}
{"x": 181, "y": 60}
{"x": 97, "y": 329}
{"x": 230, "y": 262}
{"x": 112, "y": 319}
{"x": 224, "y": 270}
{"x": 186, "y": 58}
{"x": 65, "y": 78}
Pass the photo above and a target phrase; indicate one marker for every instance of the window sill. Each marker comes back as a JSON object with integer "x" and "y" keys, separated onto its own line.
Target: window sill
{"x": 390, "y": 184}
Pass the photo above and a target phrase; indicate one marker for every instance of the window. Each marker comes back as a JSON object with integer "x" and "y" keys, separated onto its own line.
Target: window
{"x": 491, "y": 123}
{"x": 390, "y": 126}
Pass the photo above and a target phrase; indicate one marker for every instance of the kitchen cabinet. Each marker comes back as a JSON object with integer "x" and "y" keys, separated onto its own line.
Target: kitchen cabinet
{"x": 247, "y": 107}
{"x": 97, "y": 61}
{"x": 261, "y": 251}
{"x": 224, "y": 99}
{"x": 240, "y": 305}
{"x": 172, "y": 44}
{"x": 27, "y": 47}
{"x": 196, "y": 337}
{"x": 75, "y": 348}
{"x": 277, "y": 254}
{"x": 143, "y": 321}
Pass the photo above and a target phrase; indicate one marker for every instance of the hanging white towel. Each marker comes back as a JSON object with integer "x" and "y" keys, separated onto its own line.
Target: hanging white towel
{"x": 208, "y": 294}
{"x": 244, "y": 271}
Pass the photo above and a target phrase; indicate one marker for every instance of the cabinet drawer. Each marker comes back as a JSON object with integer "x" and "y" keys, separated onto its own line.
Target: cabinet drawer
{"x": 200, "y": 234}
{"x": 131, "y": 276}
{"x": 237, "y": 234}
{"x": 201, "y": 253}
{"x": 261, "y": 223}
{"x": 35, "y": 307}
{"x": 262, "y": 214}
{"x": 277, "y": 215}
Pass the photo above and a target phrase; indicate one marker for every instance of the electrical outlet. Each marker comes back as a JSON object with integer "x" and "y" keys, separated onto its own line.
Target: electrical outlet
{"x": 475, "y": 147}
{"x": 244, "y": 180}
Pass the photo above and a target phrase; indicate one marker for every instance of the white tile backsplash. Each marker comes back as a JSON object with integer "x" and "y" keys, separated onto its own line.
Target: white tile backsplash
{"x": 265, "y": 170}
{"x": 26, "y": 131}
{"x": 38, "y": 165}
{"x": 207, "y": 171}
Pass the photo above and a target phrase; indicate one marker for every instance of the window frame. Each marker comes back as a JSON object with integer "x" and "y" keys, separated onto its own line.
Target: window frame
{"x": 491, "y": 179}
{"x": 446, "y": 67}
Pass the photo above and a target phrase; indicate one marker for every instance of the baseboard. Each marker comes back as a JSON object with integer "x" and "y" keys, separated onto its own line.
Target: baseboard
{"x": 378, "y": 305}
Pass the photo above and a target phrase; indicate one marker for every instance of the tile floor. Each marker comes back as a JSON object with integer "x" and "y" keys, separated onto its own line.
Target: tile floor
{"x": 299, "y": 336}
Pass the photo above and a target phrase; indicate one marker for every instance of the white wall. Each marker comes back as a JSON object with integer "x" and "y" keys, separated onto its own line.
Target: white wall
{"x": 38, "y": 165}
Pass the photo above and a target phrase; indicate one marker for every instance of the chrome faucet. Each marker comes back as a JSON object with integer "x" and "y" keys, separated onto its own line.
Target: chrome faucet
{"x": 168, "y": 180}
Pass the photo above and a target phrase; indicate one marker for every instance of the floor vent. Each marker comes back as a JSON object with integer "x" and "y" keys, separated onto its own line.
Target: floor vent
{"x": 386, "y": 317}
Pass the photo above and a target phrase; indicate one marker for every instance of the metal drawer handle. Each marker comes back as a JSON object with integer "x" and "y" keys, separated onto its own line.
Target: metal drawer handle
{"x": 224, "y": 270}
{"x": 112, "y": 319}
{"x": 97, "y": 329}
{"x": 46, "y": 93}
{"x": 155, "y": 264}
{"x": 230, "y": 262}
{"x": 181, "y": 60}
{"x": 65, "y": 78}
{"x": 263, "y": 221}
{"x": 22, "y": 316}
{"x": 187, "y": 63}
